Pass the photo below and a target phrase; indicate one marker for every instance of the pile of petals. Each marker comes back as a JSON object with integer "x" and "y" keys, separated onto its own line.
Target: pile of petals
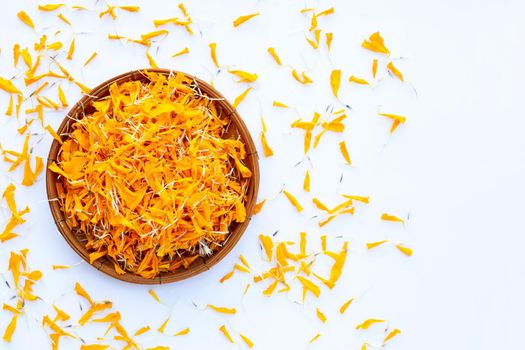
{"x": 152, "y": 177}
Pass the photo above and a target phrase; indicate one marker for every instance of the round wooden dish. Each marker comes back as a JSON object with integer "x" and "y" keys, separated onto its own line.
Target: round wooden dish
{"x": 237, "y": 128}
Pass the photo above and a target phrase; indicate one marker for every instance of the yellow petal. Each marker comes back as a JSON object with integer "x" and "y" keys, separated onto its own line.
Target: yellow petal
{"x": 293, "y": 200}
{"x": 345, "y": 306}
{"x": 335, "y": 80}
{"x": 247, "y": 340}
{"x": 8, "y": 334}
{"x": 279, "y": 104}
{"x": 241, "y": 19}
{"x": 142, "y": 331}
{"x": 182, "y": 332}
{"x": 372, "y": 245}
{"x": 163, "y": 325}
{"x": 151, "y": 61}
{"x": 405, "y": 250}
{"x": 257, "y": 208}
{"x": 226, "y": 276}
{"x": 375, "y": 43}
{"x": 314, "y": 338}
{"x": 213, "y": 53}
{"x": 226, "y": 333}
{"x": 358, "y": 198}
{"x": 94, "y": 347}
{"x": 53, "y": 133}
{"x": 326, "y": 12}
{"x": 354, "y": 79}
{"x": 63, "y": 18}
{"x": 309, "y": 286}
{"x": 306, "y": 181}
{"x": 154, "y": 295}
{"x": 329, "y": 38}
{"x": 267, "y": 244}
{"x": 393, "y": 218}
{"x": 181, "y": 52}
{"x": 50, "y": 7}
{"x": 130, "y": 8}
{"x": 344, "y": 152}
{"x": 366, "y": 324}
{"x": 268, "y": 152}
{"x": 245, "y": 77}
{"x": 394, "y": 70}
{"x": 276, "y": 58}
{"x": 24, "y": 17}
{"x": 391, "y": 335}
{"x": 62, "y": 97}
{"x": 82, "y": 292}
{"x": 320, "y": 315}
{"x": 241, "y": 97}
{"x": 374, "y": 67}
{"x": 320, "y": 204}
{"x": 7, "y": 85}
{"x": 222, "y": 310}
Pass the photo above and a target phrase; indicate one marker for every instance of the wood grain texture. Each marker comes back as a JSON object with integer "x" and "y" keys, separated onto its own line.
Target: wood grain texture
{"x": 76, "y": 239}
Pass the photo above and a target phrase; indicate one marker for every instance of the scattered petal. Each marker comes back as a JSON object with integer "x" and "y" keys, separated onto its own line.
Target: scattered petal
{"x": 24, "y": 17}
{"x": 405, "y": 250}
{"x": 335, "y": 80}
{"x": 345, "y": 306}
{"x": 366, "y": 324}
{"x": 393, "y": 218}
{"x": 226, "y": 333}
{"x": 293, "y": 200}
{"x": 241, "y": 19}
{"x": 394, "y": 70}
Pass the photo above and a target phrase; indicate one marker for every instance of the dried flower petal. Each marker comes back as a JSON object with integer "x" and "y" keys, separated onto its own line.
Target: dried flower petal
{"x": 366, "y": 324}
{"x": 372, "y": 245}
{"x": 222, "y": 310}
{"x": 376, "y": 44}
{"x": 268, "y": 152}
{"x": 329, "y": 38}
{"x": 154, "y": 295}
{"x": 7, "y": 85}
{"x": 225, "y": 332}
{"x": 354, "y": 79}
{"x": 247, "y": 340}
{"x": 393, "y": 218}
{"x": 241, "y": 19}
{"x": 279, "y": 104}
{"x": 314, "y": 338}
{"x": 293, "y": 200}
{"x": 394, "y": 70}
{"x": 245, "y": 77}
{"x": 335, "y": 80}
{"x": 182, "y": 332}
{"x": 272, "y": 53}
{"x": 213, "y": 53}
{"x": 241, "y": 97}
{"x": 24, "y": 17}
{"x": 405, "y": 250}
{"x": 320, "y": 315}
{"x": 391, "y": 335}
{"x": 8, "y": 334}
{"x": 374, "y": 67}
{"x": 181, "y": 52}
{"x": 344, "y": 152}
{"x": 345, "y": 306}
{"x": 306, "y": 181}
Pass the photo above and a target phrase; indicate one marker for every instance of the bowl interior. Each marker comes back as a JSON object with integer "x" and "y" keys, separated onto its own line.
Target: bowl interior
{"x": 76, "y": 239}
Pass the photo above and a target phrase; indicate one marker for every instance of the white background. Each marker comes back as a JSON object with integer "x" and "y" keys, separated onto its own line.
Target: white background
{"x": 456, "y": 169}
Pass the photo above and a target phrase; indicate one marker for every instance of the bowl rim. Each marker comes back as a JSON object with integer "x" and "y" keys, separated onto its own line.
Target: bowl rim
{"x": 200, "y": 264}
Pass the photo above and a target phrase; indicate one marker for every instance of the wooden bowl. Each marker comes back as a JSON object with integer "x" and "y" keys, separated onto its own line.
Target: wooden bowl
{"x": 237, "y": 128}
